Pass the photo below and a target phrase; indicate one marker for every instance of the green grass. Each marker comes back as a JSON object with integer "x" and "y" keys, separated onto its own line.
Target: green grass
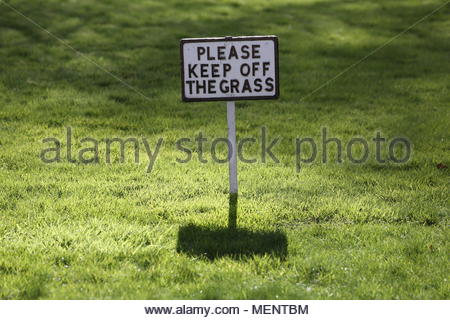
{"x": 339, "y": 231}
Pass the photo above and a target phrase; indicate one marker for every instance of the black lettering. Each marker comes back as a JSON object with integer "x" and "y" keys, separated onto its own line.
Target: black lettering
{"x": 266, "y": 65}
{"x": 246, "y": 87}
{"x": 204, "y": 70}
{"x": 234, "y": 86}
{"x": 226, "y": 69}
{"x": 245, "y": 69}
{"x": 233, "y": 53}
{"x": 255, "y": 51}
{"x": 255, "y": 67}
{"x": 269, "y": 84}
{"x": 191, "y": 70}
{"x": 201, "y": 86}
{"x": 221, "y": 53}
{"x": 190, "y": 82}
{"x": 208, "y": 55}
{"x": 245, "y": 51}
{"x": 211, "y": 86}
{"x": 224, "y": 88}
{"x": 258, "y": 85}
{"x": 200, "y": 51}
{"x": 215, "y": 70}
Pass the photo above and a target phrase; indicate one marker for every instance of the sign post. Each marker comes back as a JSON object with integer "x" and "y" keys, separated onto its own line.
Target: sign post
{"x": 232, "y": 216}
{"x": 230, "y": 69}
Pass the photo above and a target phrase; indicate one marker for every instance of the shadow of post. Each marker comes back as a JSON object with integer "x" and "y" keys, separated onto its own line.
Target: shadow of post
{"x": 232, "y": 214}
{"x": 216, "y": 242}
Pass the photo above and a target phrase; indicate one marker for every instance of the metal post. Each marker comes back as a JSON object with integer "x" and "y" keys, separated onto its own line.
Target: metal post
{"x": 233, "y": 164}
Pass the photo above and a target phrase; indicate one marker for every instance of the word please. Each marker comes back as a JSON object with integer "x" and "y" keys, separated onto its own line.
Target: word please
{"x": 224, "y": 53}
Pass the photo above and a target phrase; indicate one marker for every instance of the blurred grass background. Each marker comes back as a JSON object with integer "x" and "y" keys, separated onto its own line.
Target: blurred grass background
{"x": 77, "y": 231}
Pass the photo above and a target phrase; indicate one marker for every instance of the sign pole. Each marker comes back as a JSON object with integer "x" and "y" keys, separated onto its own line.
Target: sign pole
{"x": 232, "y": 216}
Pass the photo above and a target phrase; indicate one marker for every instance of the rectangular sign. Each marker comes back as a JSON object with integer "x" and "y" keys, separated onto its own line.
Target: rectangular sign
{"x": 229, "y": 68}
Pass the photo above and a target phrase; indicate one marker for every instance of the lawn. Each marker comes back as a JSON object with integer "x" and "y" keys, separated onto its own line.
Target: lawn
{"x": 113, "y": 230}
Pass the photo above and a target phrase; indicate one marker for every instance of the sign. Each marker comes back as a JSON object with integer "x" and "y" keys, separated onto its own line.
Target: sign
{"x": 229, "y": 68}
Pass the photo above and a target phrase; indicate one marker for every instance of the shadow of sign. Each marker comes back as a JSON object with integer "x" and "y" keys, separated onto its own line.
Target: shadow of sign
{"x": 216, "y": 242}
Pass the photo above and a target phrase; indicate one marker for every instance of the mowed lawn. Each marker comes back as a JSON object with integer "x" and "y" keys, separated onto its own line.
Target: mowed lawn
{"x": 71, "y": 230}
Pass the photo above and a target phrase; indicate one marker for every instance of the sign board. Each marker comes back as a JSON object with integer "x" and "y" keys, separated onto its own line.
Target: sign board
{"x": 229, "y": 68}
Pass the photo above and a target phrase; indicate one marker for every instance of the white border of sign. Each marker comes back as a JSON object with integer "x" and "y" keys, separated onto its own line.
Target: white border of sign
{"x": 223, "y": 39}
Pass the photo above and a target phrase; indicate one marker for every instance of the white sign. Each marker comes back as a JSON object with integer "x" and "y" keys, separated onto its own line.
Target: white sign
{"x": 230, "y": 68}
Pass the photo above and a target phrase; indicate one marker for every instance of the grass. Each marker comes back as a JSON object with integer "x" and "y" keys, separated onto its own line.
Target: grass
{"x": 114, "y": 231}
